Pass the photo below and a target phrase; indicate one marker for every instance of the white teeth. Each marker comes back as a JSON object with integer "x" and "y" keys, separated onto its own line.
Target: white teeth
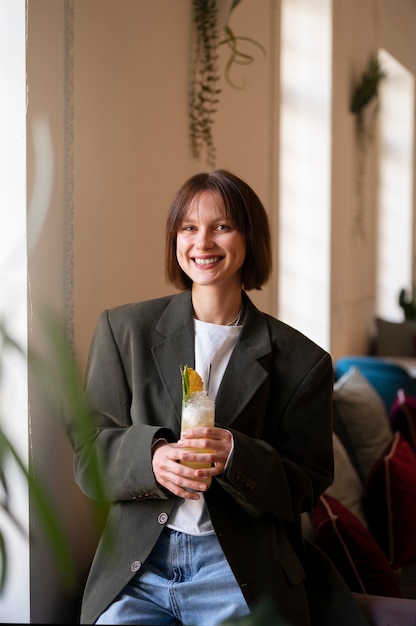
{"x": 207, "y": 261}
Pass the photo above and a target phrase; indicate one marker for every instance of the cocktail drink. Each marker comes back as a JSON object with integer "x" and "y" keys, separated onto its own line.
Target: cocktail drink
{"x": 198, "y": 410}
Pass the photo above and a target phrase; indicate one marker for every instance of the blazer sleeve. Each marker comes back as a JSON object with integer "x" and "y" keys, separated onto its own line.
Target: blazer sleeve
{"x": 106, "y": 437}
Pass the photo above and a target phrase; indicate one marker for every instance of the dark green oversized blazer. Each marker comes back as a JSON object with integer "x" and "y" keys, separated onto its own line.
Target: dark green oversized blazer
{"x": 275, "y": 398}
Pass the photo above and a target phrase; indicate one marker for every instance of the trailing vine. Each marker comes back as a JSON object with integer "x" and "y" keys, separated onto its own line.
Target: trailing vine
{"x": 237, "y": 56}
{"x": 366, "y": 92}
{"x": 204, "y": 93}
{"x": 205, "y": 74}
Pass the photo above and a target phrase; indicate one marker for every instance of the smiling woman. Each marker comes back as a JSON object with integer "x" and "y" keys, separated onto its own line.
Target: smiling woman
{"x": 247, "y": 478}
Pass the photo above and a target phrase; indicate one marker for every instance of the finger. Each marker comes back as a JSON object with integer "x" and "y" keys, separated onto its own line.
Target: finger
{"x": 188, "y": 489}
{"x": 203, "y": 445}
{"x": 202, "y": 432}
{"x": 217, "y": 468}
{"x": 183, "y": 493}
{"x": 178, "y": 477}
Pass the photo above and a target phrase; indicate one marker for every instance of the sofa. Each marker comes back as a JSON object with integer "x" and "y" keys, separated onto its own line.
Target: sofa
{"x": 366, "y": 520}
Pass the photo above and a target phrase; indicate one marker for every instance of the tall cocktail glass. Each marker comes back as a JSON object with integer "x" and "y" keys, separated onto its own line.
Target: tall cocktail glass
{"x": 198, "y": 410}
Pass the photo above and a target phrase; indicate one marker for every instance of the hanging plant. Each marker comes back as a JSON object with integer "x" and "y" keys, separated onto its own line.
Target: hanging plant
{"x": 205, "y": 72}
{"x": 204, "y": 90}
{"x": 365, "y": 93}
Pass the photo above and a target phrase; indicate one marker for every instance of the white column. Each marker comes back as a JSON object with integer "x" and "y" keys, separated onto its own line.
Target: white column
{"x": 305, "y": 167}
{"x": 14, "y": 599}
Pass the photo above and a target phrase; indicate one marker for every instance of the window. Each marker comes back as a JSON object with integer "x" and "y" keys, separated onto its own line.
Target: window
{"x": 395, "y": 191}
{"x": 305, "y": 135}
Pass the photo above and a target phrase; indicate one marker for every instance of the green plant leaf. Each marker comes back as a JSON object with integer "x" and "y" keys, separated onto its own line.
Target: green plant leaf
{"x": 367, "y": 87}
{"x": 3, "y": 563}
{"x": 185, "y": 383}
{"x": 60, "y": 383}
{"x": 51, "y": 524}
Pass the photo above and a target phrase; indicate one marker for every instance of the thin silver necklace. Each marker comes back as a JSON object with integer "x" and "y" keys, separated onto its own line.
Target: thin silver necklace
{"x": 237, "y": 320}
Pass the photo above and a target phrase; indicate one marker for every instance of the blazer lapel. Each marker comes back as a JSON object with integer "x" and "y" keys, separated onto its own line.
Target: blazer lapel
{"x": 245, "y": 373}
{"x": 178, "y": 346}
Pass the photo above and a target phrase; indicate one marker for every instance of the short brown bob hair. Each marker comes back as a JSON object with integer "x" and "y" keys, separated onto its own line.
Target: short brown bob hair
{"x": 245, "y": 211}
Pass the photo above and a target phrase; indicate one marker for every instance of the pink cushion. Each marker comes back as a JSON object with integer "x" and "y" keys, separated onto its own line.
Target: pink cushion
{"x": 390, "y": 502}
{"x": 403, "y": 416}
{"x": 352, "y": 549}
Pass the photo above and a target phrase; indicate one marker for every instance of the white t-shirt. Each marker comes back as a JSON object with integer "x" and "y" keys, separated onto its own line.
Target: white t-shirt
{"x": 214, "y": 344}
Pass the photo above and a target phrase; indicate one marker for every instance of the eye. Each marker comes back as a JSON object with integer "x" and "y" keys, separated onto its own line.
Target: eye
{"x": 188, "y": 228}
{"x": 223, "y": 227}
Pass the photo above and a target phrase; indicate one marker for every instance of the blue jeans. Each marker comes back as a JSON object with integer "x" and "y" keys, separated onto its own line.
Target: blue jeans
{"x": 185, "y": 580}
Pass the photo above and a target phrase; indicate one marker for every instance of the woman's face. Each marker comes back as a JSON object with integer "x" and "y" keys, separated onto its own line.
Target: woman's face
{"x": 208, "y": 248}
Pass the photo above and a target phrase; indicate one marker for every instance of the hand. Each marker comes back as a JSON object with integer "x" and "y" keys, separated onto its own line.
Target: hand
{"x": 217, "y": 439}
{"x": 178, "y": 478}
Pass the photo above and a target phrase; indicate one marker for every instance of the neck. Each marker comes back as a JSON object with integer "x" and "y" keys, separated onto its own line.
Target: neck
{"x": 237, "y": 321}
{"x": 224, "y": 309}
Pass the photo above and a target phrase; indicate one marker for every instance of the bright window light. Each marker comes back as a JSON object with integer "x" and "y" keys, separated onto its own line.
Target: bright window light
{"x": 395, "y": 192}
{"x": 14, "y": 600}
{"x": 305, "y": 135}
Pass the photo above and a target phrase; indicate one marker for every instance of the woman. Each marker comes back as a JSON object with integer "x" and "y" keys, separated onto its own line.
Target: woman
{"x": 179, "y": 552}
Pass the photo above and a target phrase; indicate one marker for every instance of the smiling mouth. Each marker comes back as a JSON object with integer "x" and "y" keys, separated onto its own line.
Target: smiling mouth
{"x": 213, "y": 259}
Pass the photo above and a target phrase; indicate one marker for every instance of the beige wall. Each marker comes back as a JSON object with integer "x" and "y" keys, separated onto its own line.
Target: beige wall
{"x": 130, "y": 151}
{"x": 359, "y": 28}
{"x": 119, "y": 130}
{"x": 131, "y": 142}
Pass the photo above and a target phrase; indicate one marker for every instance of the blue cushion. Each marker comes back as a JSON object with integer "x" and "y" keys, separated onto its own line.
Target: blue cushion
{"x": 387, "y": 378}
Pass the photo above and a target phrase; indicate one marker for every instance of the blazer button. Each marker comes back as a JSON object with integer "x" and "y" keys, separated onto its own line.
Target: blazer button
{"x": 135, "y": 566}
{"x": 162, "y": 518}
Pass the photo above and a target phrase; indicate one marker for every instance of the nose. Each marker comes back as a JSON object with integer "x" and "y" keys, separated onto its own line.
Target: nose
{"x": 204, "y": 240}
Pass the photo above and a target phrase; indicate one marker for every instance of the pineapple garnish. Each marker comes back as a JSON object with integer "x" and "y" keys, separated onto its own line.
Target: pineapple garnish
{"x": 191, "y": 382}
